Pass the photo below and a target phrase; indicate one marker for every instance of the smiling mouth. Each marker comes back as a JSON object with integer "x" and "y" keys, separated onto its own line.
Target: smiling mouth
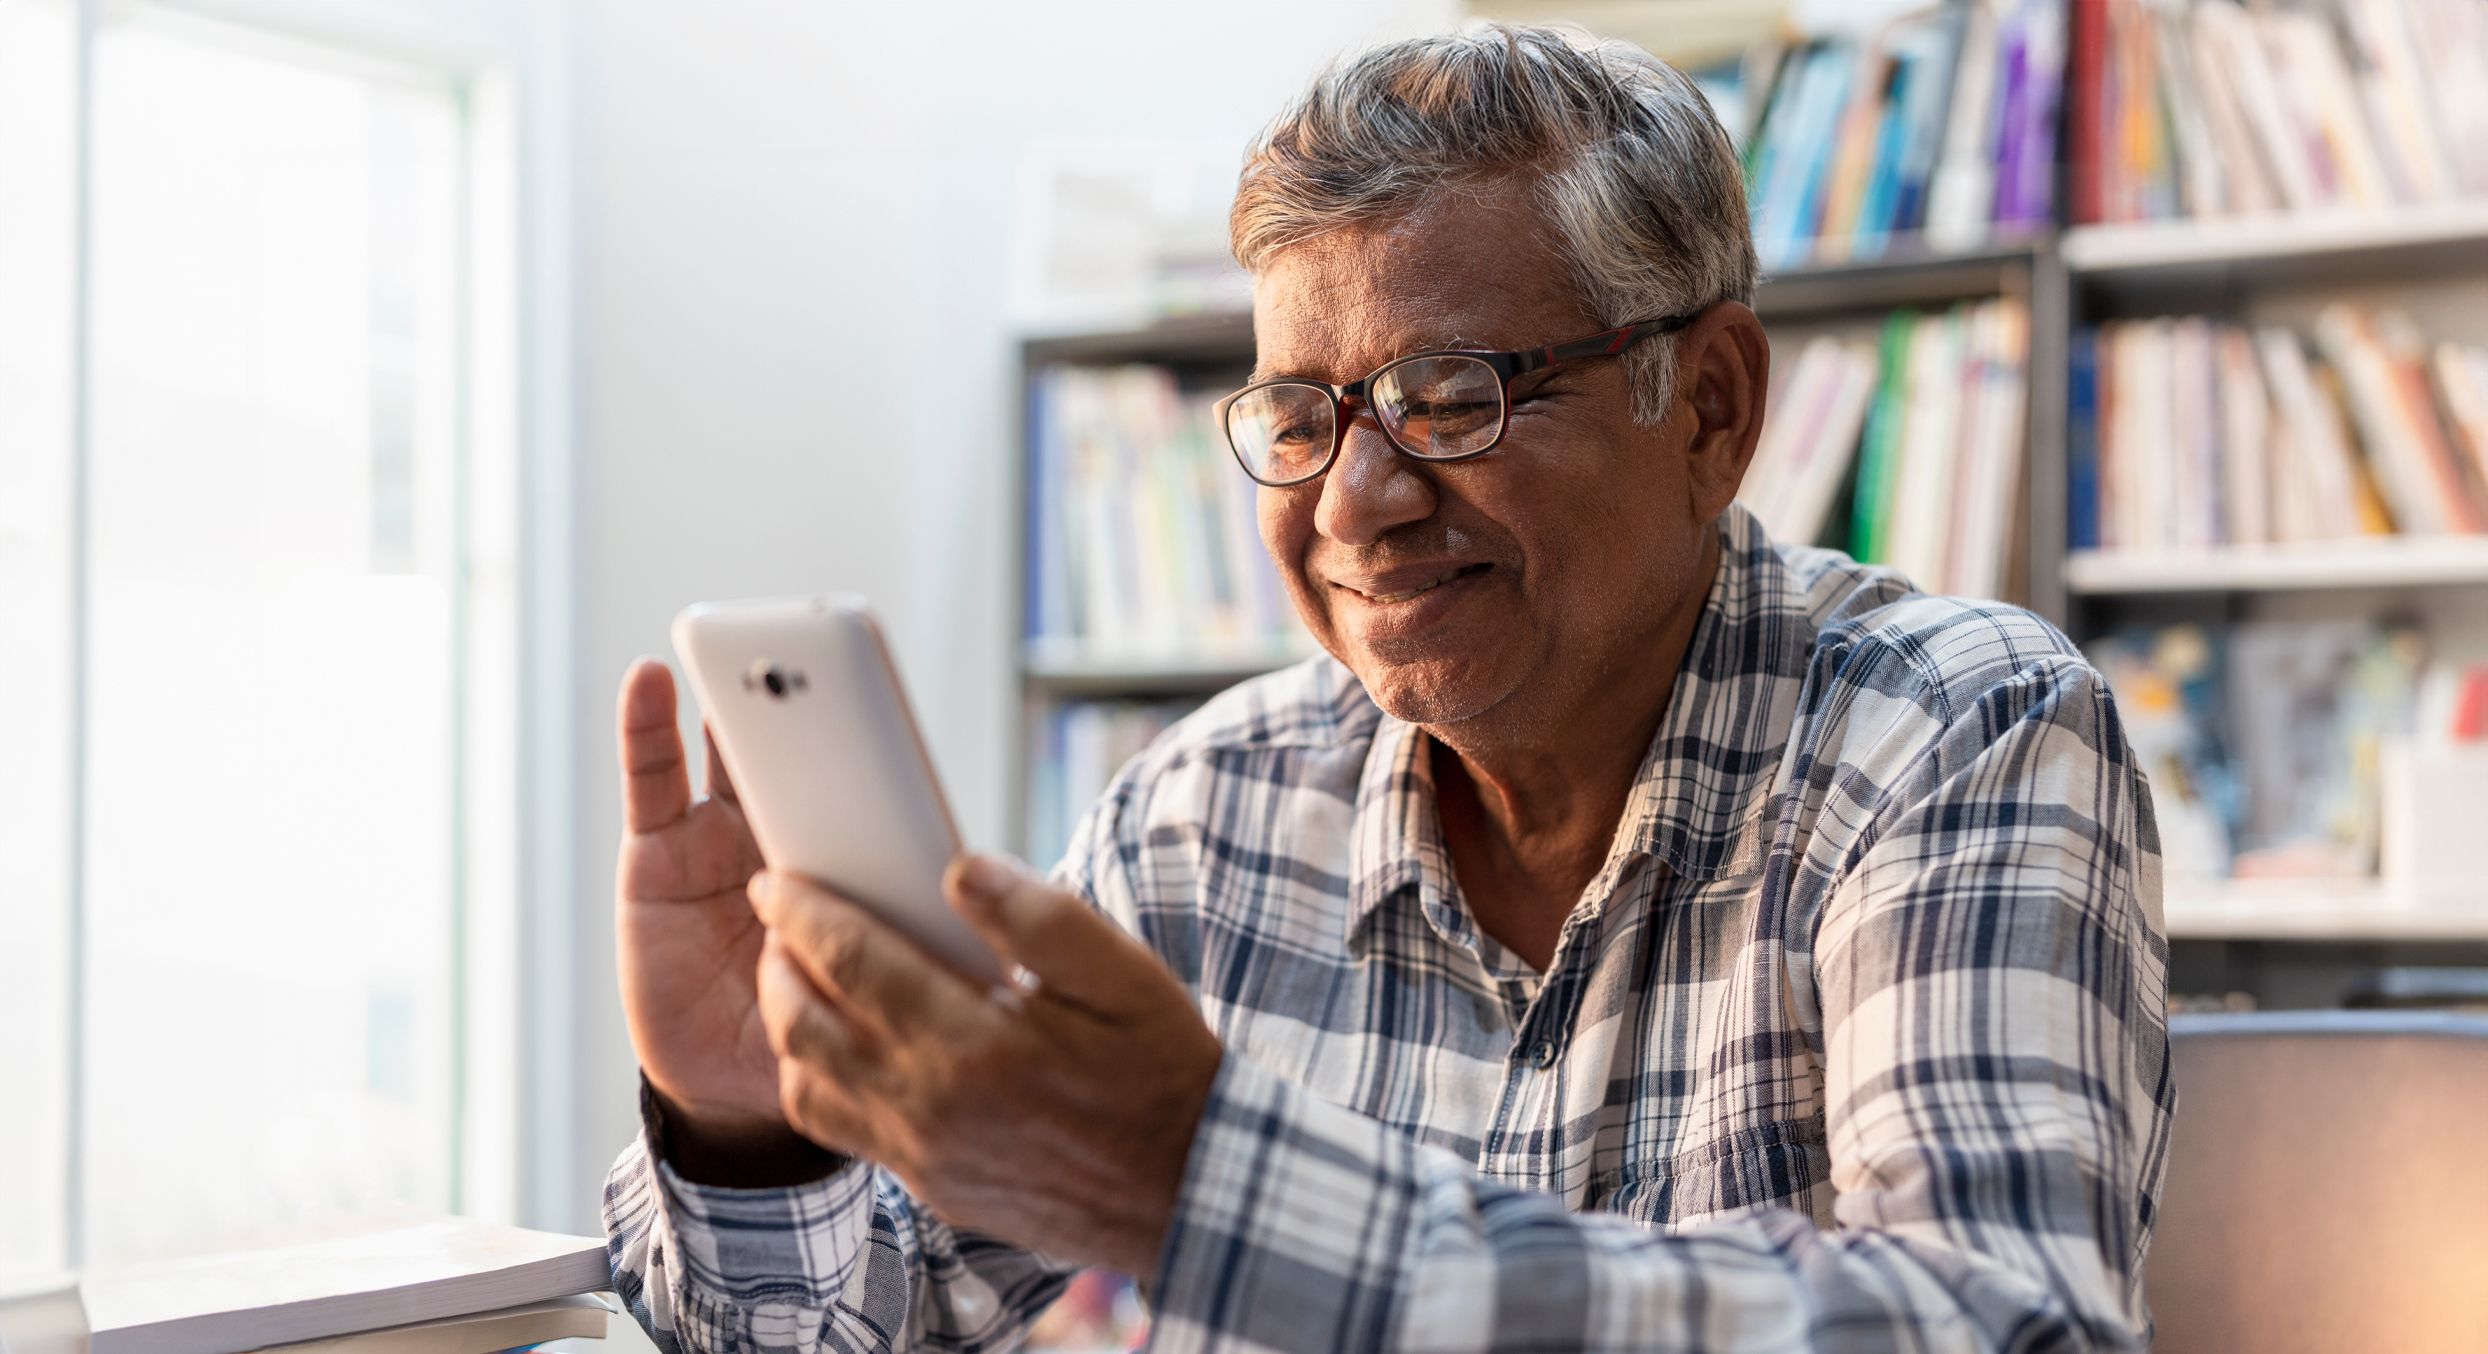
{"x": 1421, "y": 589}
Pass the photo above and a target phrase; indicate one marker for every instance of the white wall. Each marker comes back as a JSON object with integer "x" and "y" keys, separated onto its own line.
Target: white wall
{"x": 794, "y": 371}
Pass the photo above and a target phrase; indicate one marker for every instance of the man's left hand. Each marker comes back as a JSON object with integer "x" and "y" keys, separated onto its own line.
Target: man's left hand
{"x": 1055, "y": 1115}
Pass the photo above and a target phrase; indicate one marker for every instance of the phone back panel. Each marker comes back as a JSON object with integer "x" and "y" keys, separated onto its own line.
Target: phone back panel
{"x": 831, "y": 771}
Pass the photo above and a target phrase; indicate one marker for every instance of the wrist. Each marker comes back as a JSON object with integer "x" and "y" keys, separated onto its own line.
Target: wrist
{"x": 751, "y": 1153}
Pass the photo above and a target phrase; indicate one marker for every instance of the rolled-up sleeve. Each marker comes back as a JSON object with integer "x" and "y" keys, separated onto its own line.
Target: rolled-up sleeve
{"x": 849, "y": 1262}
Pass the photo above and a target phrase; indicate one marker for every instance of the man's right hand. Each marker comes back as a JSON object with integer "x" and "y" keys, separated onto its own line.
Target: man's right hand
{"x": 689, "y": 949}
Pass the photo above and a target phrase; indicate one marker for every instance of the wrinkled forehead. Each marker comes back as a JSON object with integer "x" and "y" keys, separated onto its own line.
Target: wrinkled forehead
{"x": 1458, "y": 271}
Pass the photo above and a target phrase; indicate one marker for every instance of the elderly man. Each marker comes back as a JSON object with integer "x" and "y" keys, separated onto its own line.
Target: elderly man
{"x": 1634, "y": 934}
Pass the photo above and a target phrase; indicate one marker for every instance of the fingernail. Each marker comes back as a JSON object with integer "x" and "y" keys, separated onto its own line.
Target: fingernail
{"x": 986, "y": 878}
{"x": 758, "y": 891}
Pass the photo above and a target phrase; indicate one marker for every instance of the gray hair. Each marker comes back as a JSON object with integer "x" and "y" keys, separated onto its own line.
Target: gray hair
{"x": 1630, "y": 165}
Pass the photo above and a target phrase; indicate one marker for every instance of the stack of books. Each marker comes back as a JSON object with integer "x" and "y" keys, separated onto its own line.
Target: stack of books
{"x": 2209, "y": 107}
{"x": 2190, "y": 433}
{"x": 2265, "y": 741}
{"x": 1926, "y": 430}
{"x": 446, "y": 1287}
{"x": 1940, "y": 125}
{"x": 1141, "y": 532}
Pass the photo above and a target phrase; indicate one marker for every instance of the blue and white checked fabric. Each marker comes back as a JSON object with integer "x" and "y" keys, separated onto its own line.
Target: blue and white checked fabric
{"x": 1857, "y": 1041}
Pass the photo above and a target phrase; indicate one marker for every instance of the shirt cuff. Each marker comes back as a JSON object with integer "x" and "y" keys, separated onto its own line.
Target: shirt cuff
{"x": 730, "y": 1247}
{"x": 1292, "y": 1226}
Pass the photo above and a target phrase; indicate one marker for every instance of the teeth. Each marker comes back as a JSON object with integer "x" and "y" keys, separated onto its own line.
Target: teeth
{"x": 1449, "y": 575}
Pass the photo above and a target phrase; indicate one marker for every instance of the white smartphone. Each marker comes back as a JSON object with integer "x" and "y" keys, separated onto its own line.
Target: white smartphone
{"x": 804, "y": 700}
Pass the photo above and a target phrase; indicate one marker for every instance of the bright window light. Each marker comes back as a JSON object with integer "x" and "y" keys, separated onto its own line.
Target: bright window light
{"x": 273, "y": 779}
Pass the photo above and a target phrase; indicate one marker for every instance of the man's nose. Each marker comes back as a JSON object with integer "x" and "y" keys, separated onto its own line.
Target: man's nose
{"x": 1371, "y": 488}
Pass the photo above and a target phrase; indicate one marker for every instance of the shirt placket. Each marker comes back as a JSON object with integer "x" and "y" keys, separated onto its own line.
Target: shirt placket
{"x": 1526, "y": 1145}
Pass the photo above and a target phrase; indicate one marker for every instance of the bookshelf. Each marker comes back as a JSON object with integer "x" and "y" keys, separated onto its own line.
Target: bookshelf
{"x": 2076, "y": 276}
{"x": 2270, "y": 269}
{"x": 2390, "y": 562}
{"x": 2359, "y": 912}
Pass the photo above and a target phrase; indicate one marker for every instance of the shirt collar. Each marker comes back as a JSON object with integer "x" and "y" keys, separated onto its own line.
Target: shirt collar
{"x": 1707, "y": 775}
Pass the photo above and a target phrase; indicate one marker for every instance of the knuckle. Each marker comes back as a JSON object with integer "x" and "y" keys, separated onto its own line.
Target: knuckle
{"x": 845, "y": 958}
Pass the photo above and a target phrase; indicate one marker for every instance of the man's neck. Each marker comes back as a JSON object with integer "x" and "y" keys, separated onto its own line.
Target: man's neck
{"x": 1530, "y": 803}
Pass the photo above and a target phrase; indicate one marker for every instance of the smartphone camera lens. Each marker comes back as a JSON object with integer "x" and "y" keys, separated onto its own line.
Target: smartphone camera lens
{"x": 775, "y": 680}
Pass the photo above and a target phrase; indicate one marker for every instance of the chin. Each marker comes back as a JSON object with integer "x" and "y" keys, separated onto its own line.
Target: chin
{"x": 1432, "y": 690}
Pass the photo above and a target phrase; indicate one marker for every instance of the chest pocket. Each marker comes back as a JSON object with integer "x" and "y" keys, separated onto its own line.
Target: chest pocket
{"x": 1778, "y": 1165}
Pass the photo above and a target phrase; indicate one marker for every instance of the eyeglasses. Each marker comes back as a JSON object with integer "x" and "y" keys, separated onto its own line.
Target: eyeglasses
{"x": 1442, "y": 405}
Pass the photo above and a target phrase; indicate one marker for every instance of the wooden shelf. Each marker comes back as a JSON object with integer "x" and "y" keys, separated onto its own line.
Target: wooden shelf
{"x": 2350, "y": 910}
{"x": 2327, "y": 248}
{"x": 1073, "y": 670}
{"x": 2370, "y": 562}
{"x": 1205, "y": 338}
{"x": 1909, "y": 274}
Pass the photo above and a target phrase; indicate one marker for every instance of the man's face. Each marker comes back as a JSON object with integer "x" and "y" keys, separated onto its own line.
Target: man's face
{"x": 1511, "y": 585}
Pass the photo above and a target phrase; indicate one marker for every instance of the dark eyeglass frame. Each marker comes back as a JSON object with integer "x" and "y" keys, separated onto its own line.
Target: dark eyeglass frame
{"x": 1508, "y": 366}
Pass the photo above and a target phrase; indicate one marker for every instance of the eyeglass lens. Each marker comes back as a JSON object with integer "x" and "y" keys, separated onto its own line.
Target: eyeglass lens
{"x": 1433, "y": 407}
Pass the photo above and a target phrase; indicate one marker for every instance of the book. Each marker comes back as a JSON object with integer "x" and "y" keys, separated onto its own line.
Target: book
{"x": 572, "y": 1318}
{"x": 2199, "y": 108}
{"x": 2264, "y": 739}
{"x": 352, "y": 1285}
{"x": 1939, "y": 472}
{"x": 2462, "y": 383}
{"x": 2189, "y": 433}
{"x": 1978, "y": 558}
{"x": 1142, "y": 536}
{"x": 1963, "y": 188}
{"x": 1809, "y": 438}
{"x": 1077, "y": 747}
{"x": 1936, "y": 125}
{"x": 2082, "y": 440}
{"x": 1877, "y": 457}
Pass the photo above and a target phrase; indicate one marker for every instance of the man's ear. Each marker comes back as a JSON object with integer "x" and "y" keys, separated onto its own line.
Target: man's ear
{"x": 1723, "y": 371}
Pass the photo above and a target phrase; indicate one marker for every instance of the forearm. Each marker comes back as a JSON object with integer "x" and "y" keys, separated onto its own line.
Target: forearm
{"x": 1304, "y": 1225}
{"x": 842, "y": 1263}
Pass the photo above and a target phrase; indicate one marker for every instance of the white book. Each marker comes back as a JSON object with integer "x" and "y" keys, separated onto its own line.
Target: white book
{"x": 536, "y": 1323}
{"x": 1983, "y": 535}
{"x": 1929, "y": 446}
{"x": 2203, "y": 180}
{"x": 2395, "y": 85}
{"x": 2193, "y": 443}
{"x": 2246, "y": 451}
{"x": 1780, "y": 451}
{"x": 1807, "y": 505}
{"x": 2241, "y": 51}
{"x": 2332, "y": 104}
{"x": 2449, "y": 36}
{"x": 224, "y": 1304}
{"x": 1961, "y": 200}
{"x": 2152, "y": 383}
{"x": 2246, "y": 182}
{"x": 2320, "y": 457}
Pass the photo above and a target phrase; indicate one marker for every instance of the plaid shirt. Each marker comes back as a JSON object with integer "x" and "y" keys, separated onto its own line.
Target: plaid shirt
{"x": 1857, "y": 1040}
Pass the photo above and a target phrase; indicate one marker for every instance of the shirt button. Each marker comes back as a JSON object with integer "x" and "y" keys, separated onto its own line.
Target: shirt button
{"x": 1543, "y": 1056}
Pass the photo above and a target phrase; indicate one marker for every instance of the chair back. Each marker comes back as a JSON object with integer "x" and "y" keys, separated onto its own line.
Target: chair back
{"x": 2327, "y": 1185}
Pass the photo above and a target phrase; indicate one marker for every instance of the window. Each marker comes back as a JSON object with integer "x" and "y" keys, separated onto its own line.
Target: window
{"x": 253, "y": 541}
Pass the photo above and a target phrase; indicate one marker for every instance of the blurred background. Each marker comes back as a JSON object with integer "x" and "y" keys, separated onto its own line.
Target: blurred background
{"x": 378, "y": 377}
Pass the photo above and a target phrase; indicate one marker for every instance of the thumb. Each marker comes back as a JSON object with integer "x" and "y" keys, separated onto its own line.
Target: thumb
{"x": 1077, "y": 955}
